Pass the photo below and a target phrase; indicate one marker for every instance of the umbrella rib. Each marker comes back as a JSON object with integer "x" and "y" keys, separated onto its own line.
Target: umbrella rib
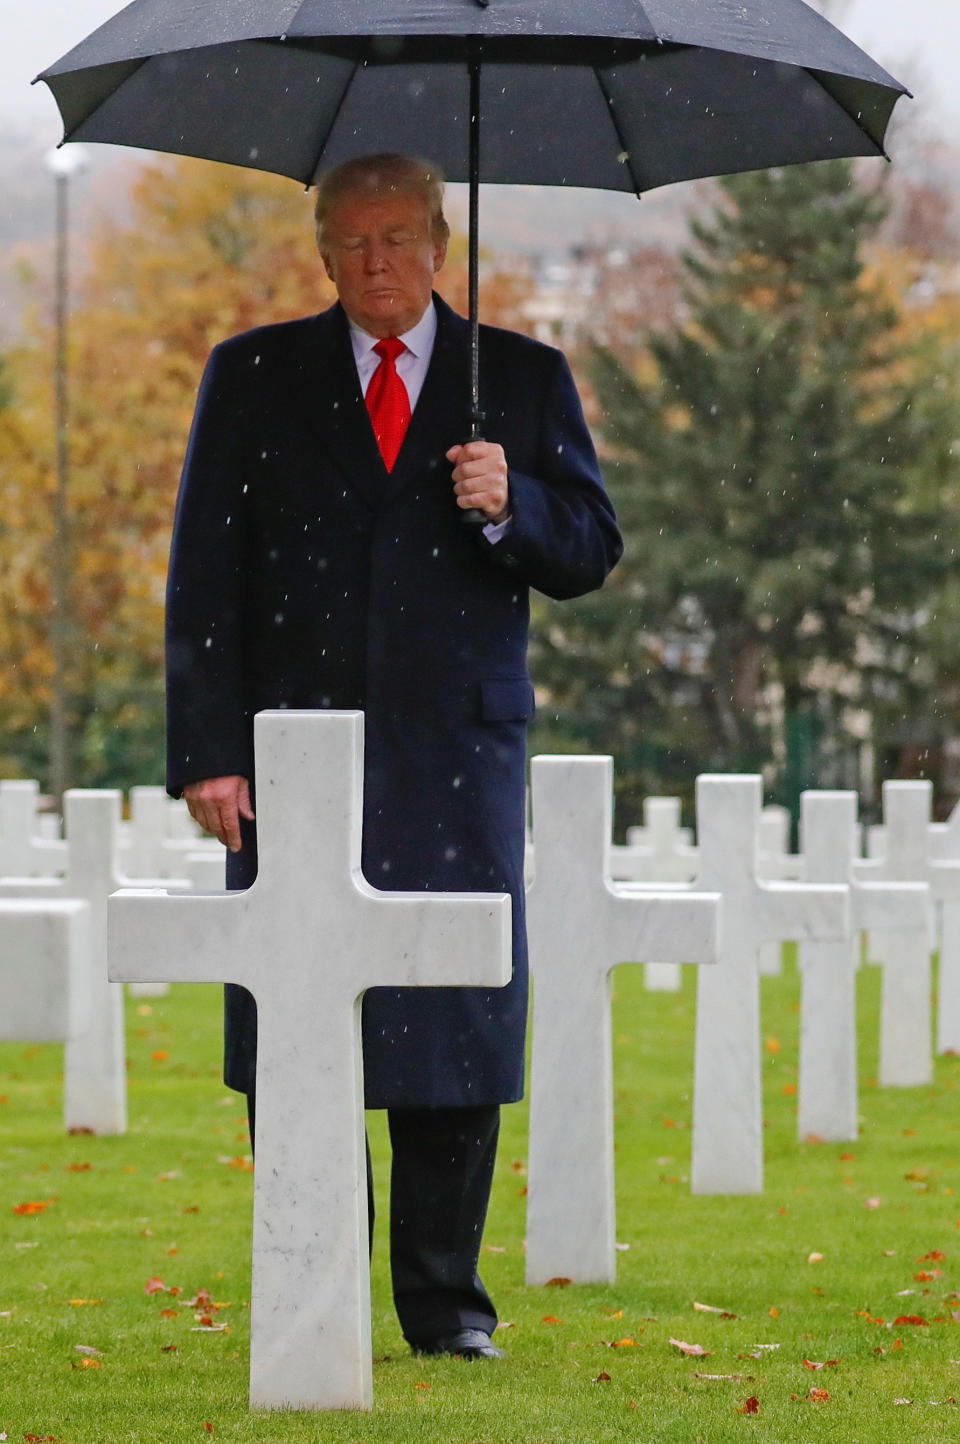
{"x": 332, "y": 122}
{"x": 621, "y": 138}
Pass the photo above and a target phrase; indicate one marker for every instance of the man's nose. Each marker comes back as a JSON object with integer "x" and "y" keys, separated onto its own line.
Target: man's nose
{"x": 374, "y": 258}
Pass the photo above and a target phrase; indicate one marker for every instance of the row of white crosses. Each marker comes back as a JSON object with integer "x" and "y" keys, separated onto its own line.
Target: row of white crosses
{"x": 311, "y": 906}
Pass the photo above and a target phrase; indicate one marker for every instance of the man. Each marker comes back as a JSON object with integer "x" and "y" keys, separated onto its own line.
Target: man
{"x": 319, "y": 560}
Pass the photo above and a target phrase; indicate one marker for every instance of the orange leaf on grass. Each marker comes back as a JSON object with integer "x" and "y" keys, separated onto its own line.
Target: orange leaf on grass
{"x": 80, "y": 1303}
{"x": 154, "y": 1285}
{"x": 926, "y": 1276}
{"x": 750, "y": 1406}
{"x": 694, "y": 1349}
{"x": 160, "y": 1055}
{"x": 935, "y": 1255}
{"x": 818, "y": 1395}
{"x": 79, "y": 1167}
{"x": 911, "y": 1319}
{"x": 168, "y": 1348}
{"x": 22, "y": 1209}
{"x": 421, "y": 1384}
{"x": 208, "y": 1426}
{"x": 557, "y": 1283}
{"x": 88, "y": 1364}
{"x": 624, "y": 1344}
{"x": 169, "y": 1313}
{"x": 603, "y": 1378}
{"x": 551, "y": 1319}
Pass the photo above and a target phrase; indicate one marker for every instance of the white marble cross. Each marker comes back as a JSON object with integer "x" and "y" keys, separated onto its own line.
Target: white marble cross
{"x": 23, "y": 852}
{"x": 307, "y": 939}
{"x": 580, "y": 926}
{"x": 827, "y": 1091}
{"x": 44, "y": 969}
{"x": 95, "y": 1078}
{"x": 727, "y": 1093}
{"x": 906, "y": 1053}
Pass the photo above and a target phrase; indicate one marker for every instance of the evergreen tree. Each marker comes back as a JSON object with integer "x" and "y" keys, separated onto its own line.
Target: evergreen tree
{"x": 784, "y": 476}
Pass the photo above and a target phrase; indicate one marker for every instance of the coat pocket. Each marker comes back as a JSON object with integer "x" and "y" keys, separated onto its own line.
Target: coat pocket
{"x": 506, "y": 699}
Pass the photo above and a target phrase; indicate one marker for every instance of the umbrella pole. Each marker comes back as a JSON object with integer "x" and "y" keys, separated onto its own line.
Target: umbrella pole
{"x": 476, "y": 415}
{"x": 473, "y": 516}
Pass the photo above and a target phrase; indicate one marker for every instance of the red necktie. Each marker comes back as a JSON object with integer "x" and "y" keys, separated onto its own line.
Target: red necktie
{"x": 388, "y": 402}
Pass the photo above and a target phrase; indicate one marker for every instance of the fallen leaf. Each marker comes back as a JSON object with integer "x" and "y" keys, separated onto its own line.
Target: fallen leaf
{"x": 846, "y": 1157}
{"x": 695, "y": 1349}
{"x": 815, "y": 1364}
{"x": 719, "y": 1376}
{"x": 210, "y": 1329}
{"x": 903, "y": 1401}
{"x": 815, "y": 1258}
{"x": 872, "y": 1202}
{"x": 789, "y": 1089}
{"x": 750, "y": 1406}
{"x": 926, "y": 1276}
{"x": 603, "y": 1378}
{"x": 81, "y": 1303}
{"x": 160, "y": 1056}
{"x": 87, "y": 1349}
{"x": 144, "y": 1010}
{"x": 168, "y": 1348}
{"x": 22, "y": 1209}
{"x": 774, "y": 1313}
{"x": 79, "y": 1167}
{"x": 557, "y": 1283}
{"x": 818, "y": 1395}
{"x": 208, "y": 1426}
{"x": 154, "y": 1285}
{"x": 421, "y": 1384}
{"x": 911, "y": 1319}
{"x": 935, "y": 1255}
{"x": 772, "y": 1045}
{"x": 551, "y": 1319}
{"x": 202, "y": 1299}
{"x": 713, "y": 1309}
{"x": 80, "y": 1132}
{"x": 496, "y": 1248}
{"x": 618, "y": 1314}
{"x": 88, "y": 1364}
{"x": 624, "y": 1344}
{"x": 169, "y": 1313}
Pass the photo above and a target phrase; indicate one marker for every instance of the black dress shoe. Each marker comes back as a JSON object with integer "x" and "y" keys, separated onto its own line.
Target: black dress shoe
{"x": 464, "y": 1344}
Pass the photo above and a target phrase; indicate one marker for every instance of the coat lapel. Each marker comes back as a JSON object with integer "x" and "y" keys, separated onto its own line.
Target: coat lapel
{"x": 341, "y": 416}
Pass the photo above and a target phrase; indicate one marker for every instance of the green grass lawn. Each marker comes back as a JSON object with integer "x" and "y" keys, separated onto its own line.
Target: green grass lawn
{"x": 172, "y": 1201}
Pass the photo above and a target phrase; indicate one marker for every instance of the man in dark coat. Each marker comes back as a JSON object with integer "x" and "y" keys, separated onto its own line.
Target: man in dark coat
{"x": 311, "y": 567}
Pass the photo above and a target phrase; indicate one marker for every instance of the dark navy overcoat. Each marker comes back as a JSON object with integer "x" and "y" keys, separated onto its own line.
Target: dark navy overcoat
{"x": 304, "y": 575}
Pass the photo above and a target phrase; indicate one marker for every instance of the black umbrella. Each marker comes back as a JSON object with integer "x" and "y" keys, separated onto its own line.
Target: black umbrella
{"x": 614, "y": 94}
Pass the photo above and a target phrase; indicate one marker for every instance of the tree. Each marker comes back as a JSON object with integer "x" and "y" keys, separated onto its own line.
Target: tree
{"x": 781, "y": 460}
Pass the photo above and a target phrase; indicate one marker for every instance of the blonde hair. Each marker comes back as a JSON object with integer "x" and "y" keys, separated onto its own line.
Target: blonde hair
{"x": 375, "y": 176}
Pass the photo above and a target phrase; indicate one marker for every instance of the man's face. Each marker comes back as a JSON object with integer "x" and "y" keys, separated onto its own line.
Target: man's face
{"x": 379, "y": 254}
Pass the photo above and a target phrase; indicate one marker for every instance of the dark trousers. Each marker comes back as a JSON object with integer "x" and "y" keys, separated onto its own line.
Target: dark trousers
{"x": 439, "y": 1190}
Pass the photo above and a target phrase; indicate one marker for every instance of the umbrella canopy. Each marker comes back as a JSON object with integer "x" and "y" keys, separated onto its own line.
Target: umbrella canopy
{"x": 616, "y": 94}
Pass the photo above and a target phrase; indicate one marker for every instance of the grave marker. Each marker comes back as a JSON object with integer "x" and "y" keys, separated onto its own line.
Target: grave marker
{"x": 727, "y": 1103}
{"x": 827, "y": 1091}
{"x": 44, "y": 969}
{"x": 579, "y": 926}
{"x": 307, "y": 939}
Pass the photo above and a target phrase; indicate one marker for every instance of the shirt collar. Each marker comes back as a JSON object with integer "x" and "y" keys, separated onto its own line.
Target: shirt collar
{"x": 419, "y": 339}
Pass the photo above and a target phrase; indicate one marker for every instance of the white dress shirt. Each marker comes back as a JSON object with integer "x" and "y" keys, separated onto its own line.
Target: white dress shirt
{"x": 412, "y": 367}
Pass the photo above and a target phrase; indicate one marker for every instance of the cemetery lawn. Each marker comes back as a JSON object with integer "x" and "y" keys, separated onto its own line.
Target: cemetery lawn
{"x": 836, "y": 1282}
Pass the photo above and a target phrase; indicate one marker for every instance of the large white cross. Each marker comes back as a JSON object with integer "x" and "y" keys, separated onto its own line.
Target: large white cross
{"x": 95, "y": 1073}
{"x": 307, "y": 940}
{"x": 906, "y": 1053}
{"x": 580, "y": 926}
{"x": 727, "y": 1095}
{"x": 827, "y": 1090}
{"x": 44, "y": 969}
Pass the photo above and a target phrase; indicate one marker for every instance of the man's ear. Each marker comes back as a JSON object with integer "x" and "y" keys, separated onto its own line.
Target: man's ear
{"x": 327, "y": 267}
{"x": 439, "y": 256}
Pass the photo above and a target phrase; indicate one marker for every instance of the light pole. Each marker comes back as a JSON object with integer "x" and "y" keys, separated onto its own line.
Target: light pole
{"x": 62, "y": 164}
